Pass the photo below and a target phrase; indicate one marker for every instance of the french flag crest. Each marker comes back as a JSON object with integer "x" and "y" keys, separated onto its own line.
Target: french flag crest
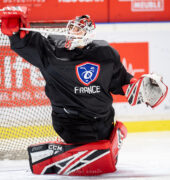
{"x": 87, "y": 72}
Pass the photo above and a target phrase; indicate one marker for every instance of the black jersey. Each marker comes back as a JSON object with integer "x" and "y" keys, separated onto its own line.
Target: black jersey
{"x": 81, "y": 79}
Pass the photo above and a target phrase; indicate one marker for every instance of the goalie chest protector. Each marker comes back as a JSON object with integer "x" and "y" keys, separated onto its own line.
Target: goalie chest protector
{"x": 81, "y": 78}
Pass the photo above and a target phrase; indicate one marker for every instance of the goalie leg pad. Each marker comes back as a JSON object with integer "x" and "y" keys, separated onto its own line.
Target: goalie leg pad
{"x": 77, "y": 160}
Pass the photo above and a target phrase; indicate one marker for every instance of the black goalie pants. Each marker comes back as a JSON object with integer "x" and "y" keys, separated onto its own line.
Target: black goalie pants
{"x": 73, "y": 128}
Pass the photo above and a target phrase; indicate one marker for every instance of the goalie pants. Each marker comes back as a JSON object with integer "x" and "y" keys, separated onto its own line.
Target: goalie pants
{"x": 73, "y": 127}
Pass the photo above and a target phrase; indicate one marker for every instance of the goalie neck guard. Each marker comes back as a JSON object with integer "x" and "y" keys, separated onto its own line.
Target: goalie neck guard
{"x": 81, "y": 32}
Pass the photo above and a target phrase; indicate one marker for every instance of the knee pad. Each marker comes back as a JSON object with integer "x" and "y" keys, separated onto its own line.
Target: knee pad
{"x": 77, "y": 160}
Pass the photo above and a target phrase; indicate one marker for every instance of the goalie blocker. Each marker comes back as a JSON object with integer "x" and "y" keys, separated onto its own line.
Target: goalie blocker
{"x": 13, "y": 19}
{"x": 75, "y": 159}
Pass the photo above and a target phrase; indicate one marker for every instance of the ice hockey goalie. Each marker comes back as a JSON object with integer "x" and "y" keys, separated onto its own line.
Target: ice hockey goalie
{"x": 81, "y": 74}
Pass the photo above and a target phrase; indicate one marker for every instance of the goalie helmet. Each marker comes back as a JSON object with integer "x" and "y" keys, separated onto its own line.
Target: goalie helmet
{"x": 80, "y": 32}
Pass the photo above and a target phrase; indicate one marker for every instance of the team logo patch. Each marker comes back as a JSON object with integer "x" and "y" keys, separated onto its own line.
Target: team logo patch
{"x": 87, "y": 72}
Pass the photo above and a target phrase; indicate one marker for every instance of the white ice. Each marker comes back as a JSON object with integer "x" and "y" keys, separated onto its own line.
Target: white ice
{"x": 142, "y": 156}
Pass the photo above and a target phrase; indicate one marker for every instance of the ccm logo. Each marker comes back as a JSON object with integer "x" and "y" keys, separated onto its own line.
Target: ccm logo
{"x": 55, "y": 147}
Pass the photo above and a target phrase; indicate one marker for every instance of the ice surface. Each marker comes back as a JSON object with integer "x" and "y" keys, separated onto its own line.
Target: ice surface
{"x": 142, "y": 156}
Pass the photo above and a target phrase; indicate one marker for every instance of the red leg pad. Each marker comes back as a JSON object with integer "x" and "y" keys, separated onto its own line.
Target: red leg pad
{"x": 76, "y": 160}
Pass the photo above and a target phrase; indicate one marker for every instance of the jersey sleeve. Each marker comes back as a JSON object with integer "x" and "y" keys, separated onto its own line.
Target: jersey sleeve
{"x": 120, "y": 76}
{"x": 34, "y": 48}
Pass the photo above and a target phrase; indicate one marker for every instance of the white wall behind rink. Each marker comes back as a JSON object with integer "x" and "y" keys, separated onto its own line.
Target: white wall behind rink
{"x": 158, "y": 37}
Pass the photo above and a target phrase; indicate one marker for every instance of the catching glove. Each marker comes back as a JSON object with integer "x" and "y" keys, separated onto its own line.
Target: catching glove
{"x": 148, "y": 89}
{"x": 13, "y": 18}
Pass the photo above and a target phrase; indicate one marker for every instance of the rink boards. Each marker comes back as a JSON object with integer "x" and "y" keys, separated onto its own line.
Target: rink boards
{"x": 47, "y": 131}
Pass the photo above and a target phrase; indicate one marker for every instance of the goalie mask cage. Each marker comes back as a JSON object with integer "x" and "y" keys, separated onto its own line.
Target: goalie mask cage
{"x": 25, "y": 111}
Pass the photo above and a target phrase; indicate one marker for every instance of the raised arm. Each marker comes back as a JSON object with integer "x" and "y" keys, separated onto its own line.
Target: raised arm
{"x": 33, "y": 47}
